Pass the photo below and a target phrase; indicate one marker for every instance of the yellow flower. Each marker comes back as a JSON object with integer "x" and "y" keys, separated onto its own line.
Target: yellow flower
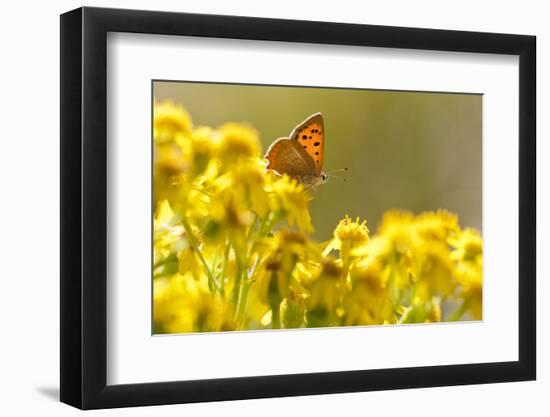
{"x": 353, "y": 231}
{"x": 370, "y": 274}
{"x": 218, "y": 316}
{"x": 468, "y": 245}
{"x": 169, "y": 233}
{"x": 237, "y": 142}
{"x": 189, "y": 263}
{"x": 284, "y": 251}
{"x": 323, "y": 303}
{"x": 173, "y": 157}
{"x": 289, "y": 198}
{"x": 246, "y": 182}
{"x": 194, "y": 200}
{"x": 292, "y": 309}
{"x": 418, "y": 251}
{"x": 173, "y": 151}
{"x": 170, "y": 121}
{"x": 203, "y": 149}
{"x": 231, "y": 214}
{"x": 170, "y": 313}
{"x": 435, "y": 270}
{"x": 176, "y": 304}
{"x": 468, "y": 248}
{"x": 348, "y": 235}
{"x": 399, "y": 228}
{"x": 183, "y": 304}
{"x": 369, "y": 301}
{"x": 437, "y": 225}
{"x": 470, "y": 278}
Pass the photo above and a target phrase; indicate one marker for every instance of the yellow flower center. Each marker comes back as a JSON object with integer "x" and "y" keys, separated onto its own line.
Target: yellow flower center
{"x": 352, "y": 231}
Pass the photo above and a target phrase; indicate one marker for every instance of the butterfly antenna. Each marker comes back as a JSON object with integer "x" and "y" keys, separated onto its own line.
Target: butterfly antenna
{"x": 331, "y": 173}
{"x": 336, "y": 170}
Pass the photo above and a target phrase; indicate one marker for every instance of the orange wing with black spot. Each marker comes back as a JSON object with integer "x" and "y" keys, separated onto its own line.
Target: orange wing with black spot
{"x": 310, "y": 134}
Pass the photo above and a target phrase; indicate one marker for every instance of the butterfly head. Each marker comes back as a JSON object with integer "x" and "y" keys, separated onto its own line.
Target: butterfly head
{"x": 324, "y": 178}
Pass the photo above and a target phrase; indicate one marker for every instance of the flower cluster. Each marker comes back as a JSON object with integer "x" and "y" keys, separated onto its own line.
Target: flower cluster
{"x": 232, "y": 246}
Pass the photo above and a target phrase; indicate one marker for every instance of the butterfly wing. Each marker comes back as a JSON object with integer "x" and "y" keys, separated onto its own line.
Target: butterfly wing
{"x": 288, "y": 157}
{"x": 310, "y": 134}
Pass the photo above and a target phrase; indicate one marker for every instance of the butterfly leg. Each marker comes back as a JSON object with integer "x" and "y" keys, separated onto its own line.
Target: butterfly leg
{"x": 311, "y": 187}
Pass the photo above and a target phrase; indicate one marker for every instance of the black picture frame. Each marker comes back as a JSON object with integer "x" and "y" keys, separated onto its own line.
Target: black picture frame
{"x": 84, "y": 207}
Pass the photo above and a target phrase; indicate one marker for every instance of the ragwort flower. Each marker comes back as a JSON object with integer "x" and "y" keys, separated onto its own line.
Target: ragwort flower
{"x": 289, "y": 198}
{"x": 369, "y": 302}
{"x": 348, "y": 235}
{"x": 170, "y": 121}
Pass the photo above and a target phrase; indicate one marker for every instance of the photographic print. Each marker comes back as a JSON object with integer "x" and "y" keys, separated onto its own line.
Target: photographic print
{"x": 289, "y": 207}
{"x": 336, "y": 184}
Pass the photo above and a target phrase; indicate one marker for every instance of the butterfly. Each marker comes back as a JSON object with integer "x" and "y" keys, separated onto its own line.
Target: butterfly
{"x": 301, "y": 155}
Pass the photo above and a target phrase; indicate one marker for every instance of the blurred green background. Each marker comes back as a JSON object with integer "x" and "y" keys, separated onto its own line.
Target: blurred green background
{"x": 410, "y": 150}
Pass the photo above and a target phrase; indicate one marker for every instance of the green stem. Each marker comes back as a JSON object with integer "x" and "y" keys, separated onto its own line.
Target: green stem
{"x": 224, "y": 267}
{"x": 194, "y": 244}
{"x": 275, "y": 317}
{"x": 238, "y": 275}
{"x": 242, "y": 283}
{"x": 252, "y": 229}
{"x": 240, "y": 293}
{"x": 240, "y": 296}
{"x": 242, "y": 301}
{"x": 268, "y": 223}
{"x": 345, "y": 255}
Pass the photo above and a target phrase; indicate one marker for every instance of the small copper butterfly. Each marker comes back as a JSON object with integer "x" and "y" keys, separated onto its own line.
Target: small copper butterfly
{"x": 301, "y": 155}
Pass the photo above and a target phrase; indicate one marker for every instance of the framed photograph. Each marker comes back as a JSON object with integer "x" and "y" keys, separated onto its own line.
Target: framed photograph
{"x": 257, "y": 208}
